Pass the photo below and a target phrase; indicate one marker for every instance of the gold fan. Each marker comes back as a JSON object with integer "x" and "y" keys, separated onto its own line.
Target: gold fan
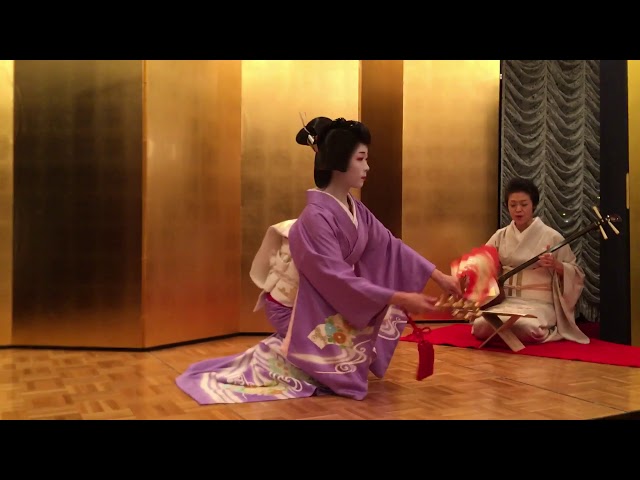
{"x": 460, "y": 308}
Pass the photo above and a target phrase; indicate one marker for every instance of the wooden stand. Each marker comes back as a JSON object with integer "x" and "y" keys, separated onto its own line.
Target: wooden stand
{"x": 503, "y": 329}
{"x": 469, "y": 311}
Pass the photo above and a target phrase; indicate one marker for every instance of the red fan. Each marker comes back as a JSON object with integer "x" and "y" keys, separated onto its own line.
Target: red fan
{"x": 480, "y": 268}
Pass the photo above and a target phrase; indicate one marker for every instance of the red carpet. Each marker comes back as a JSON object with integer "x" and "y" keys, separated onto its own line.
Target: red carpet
{"x": 597, "y": 351}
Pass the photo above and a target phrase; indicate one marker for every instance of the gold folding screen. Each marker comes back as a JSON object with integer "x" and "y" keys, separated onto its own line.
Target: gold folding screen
{"x": 77, "y": 203}
{"x": 6, "y": 199}
{"x": 633, "y": 194}
{"x": 381, "y": 107}
{"x": 126, "y": 196}
{"x": 192, "y": 244}
{"x": 450, "y": 157}
{"x": 142, "y": 189}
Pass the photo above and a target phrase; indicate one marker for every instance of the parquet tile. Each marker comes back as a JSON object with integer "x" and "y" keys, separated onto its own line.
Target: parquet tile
{"x": 467, "y": 384}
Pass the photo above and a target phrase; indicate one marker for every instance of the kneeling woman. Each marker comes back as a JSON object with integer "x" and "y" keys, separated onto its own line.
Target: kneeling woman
{"x": 550, "y": 289}
{"x": 336, "y": 289}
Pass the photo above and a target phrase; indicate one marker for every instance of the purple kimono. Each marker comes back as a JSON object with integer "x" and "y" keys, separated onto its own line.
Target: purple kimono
{"x": 341, "y": 325}
{"x": 348, "y": 274}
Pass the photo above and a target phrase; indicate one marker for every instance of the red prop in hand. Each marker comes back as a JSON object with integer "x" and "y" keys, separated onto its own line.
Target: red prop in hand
{"x": 481, "y": 267}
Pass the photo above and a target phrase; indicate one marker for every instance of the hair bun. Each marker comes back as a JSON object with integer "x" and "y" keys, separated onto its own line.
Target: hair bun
{"x": 312, "y": 129}
{"x": 340, "y": 123}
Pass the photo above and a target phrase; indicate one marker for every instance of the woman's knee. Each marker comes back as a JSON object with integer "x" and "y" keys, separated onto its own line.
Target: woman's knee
{"x": 528, "y": 333}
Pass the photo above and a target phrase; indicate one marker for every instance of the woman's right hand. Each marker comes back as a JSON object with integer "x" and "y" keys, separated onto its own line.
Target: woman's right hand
{"x": 414, "y": 303}
{"x": 448, "y": 283}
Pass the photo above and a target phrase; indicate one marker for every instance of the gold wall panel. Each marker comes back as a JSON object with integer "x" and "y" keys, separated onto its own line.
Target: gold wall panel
{"x": 450, "y": 157}
{"x": 381, "y": 103}
{"x": 77, "y": 203}
{"x": 276, "y": 172}
{"x": 6, "y": 199}
{"x": 634, "y": 196}
{"x": 192, "y": 240}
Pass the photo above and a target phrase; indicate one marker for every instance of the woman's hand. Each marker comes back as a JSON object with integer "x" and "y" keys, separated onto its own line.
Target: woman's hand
{"x": 547, "y": 260}
{"x": 447, "y": 283}
{"x": 414, "y": 303}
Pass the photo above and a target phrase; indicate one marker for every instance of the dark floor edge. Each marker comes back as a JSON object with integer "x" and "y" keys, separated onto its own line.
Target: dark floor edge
{"x": 133, "y": 349}
{"x": 174, "y": 345}
{"x": 635, "y": 415}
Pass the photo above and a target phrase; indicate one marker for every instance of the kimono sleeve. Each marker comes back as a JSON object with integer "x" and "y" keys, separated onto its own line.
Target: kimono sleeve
{"x": 318, "y": 257}
{"x": 572, "y": 282}
{"x": 496, "y": 238}
{"x": 566, "y": 292}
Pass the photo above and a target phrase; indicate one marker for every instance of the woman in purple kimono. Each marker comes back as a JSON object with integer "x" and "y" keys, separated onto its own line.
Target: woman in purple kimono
{"x": 335, "y": 286}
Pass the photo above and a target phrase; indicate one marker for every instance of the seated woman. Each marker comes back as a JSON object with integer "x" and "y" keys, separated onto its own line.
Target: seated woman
{"x": 550, "y": 289}
{"x": 335, "y": 286}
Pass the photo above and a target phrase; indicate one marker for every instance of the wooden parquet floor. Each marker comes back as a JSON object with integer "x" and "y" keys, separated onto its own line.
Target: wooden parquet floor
{"x": 467, "y": 384}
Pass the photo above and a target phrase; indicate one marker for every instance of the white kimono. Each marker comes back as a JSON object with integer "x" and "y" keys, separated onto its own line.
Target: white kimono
{"x": 537, "y": 291}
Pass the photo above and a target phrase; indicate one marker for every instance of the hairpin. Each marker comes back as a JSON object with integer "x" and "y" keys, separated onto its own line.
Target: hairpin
{"x": 310, "y": 139}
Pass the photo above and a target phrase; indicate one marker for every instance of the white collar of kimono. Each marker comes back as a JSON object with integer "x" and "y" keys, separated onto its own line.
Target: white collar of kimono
{"x": 352, "y": 213}
{"x": 520, "y": 234}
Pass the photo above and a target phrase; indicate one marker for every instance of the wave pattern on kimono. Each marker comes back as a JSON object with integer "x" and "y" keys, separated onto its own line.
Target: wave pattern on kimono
{"x": 350, "y": 265}
{"x": 537, "y": 291}
{"x": 259, "y": 374}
